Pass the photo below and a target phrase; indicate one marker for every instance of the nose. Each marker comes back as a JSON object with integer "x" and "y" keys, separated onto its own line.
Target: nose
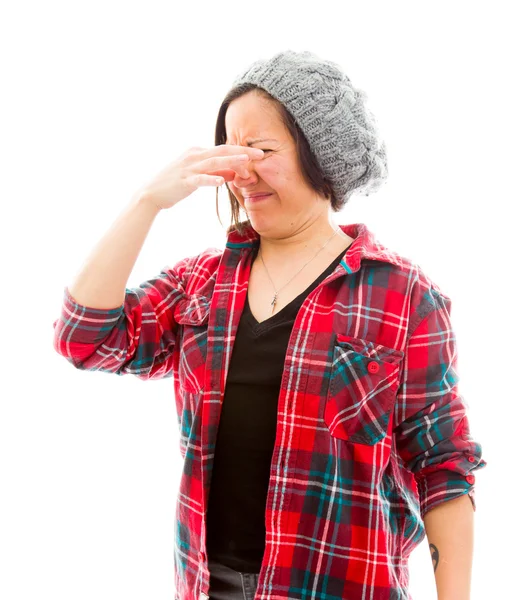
{"x": 244, "y": 174}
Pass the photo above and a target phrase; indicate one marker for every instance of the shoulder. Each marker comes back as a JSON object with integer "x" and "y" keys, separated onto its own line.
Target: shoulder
{"x": 198, "y": 270}
{"x": 425, "y": 295}
{"x": 422, "y": 293}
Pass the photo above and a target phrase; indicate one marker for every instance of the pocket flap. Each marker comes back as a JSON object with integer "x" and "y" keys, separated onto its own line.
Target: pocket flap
{"x": 370, "y": 349}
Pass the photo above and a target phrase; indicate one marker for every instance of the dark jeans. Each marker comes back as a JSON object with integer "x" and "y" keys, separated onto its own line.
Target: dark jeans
{"x": 227, "y": 584}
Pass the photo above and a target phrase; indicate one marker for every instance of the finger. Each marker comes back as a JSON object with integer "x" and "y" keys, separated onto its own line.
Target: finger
{"x": 253, "y": 153}
{"x": 226, "y": 173}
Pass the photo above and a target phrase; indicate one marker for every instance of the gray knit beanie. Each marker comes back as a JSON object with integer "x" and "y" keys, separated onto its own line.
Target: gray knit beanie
{"x": 342, "y": 132}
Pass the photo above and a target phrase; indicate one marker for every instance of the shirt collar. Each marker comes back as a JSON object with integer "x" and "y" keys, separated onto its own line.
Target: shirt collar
{"x": 365, "y": 246}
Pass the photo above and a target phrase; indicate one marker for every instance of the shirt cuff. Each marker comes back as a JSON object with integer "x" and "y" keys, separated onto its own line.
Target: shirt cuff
{"x": 439, "y": 486}
{"x": 88, "y": 325}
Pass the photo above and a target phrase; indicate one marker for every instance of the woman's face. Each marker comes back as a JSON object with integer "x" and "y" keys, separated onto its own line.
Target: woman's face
{"x": 292, "y": 202}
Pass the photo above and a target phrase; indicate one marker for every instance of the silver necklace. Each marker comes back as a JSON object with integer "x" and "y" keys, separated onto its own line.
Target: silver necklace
{"x": 274, "y": 301}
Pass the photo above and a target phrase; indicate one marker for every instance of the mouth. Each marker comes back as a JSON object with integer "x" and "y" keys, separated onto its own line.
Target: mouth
{"x": 252, "y": 199}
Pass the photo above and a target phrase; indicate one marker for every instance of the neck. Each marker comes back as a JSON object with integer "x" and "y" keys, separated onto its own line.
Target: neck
{"x": 302, "y": 245}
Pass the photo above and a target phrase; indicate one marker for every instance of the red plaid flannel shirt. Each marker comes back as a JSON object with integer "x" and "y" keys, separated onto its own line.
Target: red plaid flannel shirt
{"x": 371, "y": 429}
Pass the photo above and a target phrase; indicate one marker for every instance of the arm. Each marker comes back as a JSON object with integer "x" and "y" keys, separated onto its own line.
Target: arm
{"x": 433, "y": 438}
{"x": 137, "y": 338}
{"x": 104, "y": 326}
{"x": 450, "y": 529}
{"x": 102, "y": 280}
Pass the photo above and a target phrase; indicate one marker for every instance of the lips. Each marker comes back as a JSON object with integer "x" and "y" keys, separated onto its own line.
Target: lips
{"x": 253, "y": 199}
{"x": 257, "y": 195}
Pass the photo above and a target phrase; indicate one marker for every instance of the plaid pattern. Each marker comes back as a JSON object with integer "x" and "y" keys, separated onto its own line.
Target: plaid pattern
{"x": 371, "y": 429}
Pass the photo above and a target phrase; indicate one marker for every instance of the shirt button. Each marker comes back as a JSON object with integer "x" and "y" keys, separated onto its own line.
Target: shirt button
{"x": 373, "y": 366}
{"x": 471, "y": 458}
{"x": 470, "y": 478}
{"x": 201, "y": 556}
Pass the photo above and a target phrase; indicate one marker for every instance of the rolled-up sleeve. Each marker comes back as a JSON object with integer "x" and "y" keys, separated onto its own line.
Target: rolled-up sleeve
{"x": 431, "y": 430}
{"x": 135, "y": 338}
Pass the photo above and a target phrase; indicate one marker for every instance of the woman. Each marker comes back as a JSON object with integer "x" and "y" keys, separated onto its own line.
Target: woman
{"x": 321, "y": 427}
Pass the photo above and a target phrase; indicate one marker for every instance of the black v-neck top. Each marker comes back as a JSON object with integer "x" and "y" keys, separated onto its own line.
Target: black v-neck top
{"x": 246, "y": 435}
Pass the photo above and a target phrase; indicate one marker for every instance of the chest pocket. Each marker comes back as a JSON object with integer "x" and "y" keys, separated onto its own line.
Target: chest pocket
{"x": 363, "y": 383}
{"x": 192, "y": 316}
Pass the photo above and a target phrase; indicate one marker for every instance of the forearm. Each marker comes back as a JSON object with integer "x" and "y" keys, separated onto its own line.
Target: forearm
{"x": 450, "y": 527}
{"x": 102, "y": 280}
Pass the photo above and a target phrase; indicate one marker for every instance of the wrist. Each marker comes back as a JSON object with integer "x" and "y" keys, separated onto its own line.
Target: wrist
{"x": 142, "y": 198}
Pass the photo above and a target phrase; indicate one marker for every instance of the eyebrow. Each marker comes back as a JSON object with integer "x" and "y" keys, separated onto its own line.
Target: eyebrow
{"x": 251, "y": 141}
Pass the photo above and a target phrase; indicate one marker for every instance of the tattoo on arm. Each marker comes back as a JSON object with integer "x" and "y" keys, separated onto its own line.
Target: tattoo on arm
{"x": 435, "y": 556}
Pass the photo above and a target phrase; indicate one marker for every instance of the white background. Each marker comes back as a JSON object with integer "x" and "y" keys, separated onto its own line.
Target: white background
{"x": 97, "y": 98}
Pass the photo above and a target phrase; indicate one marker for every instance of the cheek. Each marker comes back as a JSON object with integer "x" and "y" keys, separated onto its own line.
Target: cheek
{"x": 276, "y": 171}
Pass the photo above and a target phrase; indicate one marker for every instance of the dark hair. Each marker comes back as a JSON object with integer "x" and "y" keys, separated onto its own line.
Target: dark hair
{"x": 309, "y": 164}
